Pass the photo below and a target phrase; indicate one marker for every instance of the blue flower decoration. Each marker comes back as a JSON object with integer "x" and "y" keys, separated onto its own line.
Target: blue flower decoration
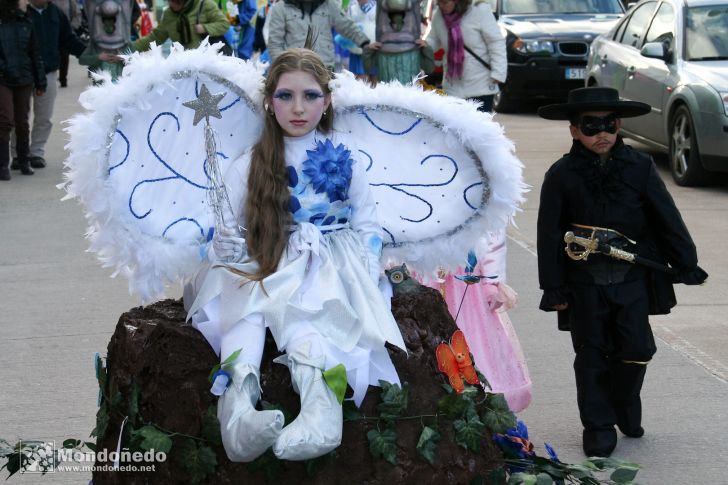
{"x": 329, "y": 169}
{"x": 552, "y": 453}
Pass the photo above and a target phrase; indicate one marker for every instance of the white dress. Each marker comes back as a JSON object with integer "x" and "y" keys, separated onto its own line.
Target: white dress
{"x": 326, "y": 280}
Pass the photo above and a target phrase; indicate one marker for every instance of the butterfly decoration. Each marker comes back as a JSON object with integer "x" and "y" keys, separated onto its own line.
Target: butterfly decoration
{"x": 454, "y": 361}
{"x": 469, "y": 278}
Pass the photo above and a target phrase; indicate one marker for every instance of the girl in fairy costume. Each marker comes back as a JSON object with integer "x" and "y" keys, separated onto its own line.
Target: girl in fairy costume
{"x": 299, "y": 255}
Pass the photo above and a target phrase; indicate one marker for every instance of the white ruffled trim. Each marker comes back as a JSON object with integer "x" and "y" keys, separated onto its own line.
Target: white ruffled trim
{"x": 149, "y": 262}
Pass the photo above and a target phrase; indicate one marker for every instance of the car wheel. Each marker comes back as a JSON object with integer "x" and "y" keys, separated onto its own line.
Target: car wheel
{"x": 685, "y": 162}
{"x": 503, "y": 102}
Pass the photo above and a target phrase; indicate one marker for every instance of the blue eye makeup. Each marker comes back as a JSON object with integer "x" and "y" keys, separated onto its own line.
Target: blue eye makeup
{"x": 312, "y": 94}
{"x": 308, "y": 95}
{"x": 283, "y": 95}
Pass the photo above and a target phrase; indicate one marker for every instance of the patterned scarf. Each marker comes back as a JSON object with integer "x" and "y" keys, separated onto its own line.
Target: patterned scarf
{"x": 455, "y": 46}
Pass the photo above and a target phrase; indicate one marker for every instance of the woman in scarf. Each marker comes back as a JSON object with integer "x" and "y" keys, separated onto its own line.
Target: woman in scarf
{"x": 475, "y": 50}
{"x": 187, "y": 22}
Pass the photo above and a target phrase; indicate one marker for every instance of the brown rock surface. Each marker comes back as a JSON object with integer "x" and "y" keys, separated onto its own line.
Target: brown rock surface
{"x": 168, "y": 361}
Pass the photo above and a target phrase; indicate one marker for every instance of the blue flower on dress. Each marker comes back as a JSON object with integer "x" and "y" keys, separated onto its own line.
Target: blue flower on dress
{"x": 329, "y": 169}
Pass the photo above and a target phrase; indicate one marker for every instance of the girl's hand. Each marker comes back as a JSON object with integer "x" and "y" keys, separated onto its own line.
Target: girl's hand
{"x": 200, "y": 29}
{"x": 375, "y": 46}
{"x": 421, "y": 43}
{"x": 560, "y": 307}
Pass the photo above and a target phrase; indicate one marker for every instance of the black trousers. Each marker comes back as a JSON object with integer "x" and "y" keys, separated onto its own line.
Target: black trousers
{"x": 14, "y": 113}
{"x": 611, "y": 335}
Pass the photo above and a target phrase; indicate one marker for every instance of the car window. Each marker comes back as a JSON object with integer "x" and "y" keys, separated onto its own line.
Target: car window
{"x": 663, "y": 26}
{"x": 514, "y": 7}
{"x": 620, "y": 29}
{"x": 636, "y": 24}
{"x": 706, "y": 33}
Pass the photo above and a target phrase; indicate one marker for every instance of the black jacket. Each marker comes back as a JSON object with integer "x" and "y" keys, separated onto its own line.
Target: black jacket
{"x": 54, "y": 31}
{"x": 626, "y": 194}
{"x": 20, "y": 59}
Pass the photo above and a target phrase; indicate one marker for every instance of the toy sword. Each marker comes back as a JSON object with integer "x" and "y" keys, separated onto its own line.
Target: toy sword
{"x": 593, "y": 245}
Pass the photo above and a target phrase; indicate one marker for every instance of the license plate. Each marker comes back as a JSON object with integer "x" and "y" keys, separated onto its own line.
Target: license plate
{"x": 575, "y": 73}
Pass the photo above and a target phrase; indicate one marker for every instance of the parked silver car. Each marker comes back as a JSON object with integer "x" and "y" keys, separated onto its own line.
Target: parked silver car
{"x": 673, "y": 55}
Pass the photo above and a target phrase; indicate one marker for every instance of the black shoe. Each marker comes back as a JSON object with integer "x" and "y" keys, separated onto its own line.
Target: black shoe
{"x": 37, "y": 162}
{"x": 64, "y": 83}
{"x": 599, "y": 442}
{"x": 4, "y": 173}
{"x": 25, "y": 167}
{"x": 632, "y": 433}
{"x": 15, "y": 165}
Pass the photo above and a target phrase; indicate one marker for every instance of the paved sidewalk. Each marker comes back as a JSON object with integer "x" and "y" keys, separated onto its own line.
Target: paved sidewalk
{"x": 58, "y": 307}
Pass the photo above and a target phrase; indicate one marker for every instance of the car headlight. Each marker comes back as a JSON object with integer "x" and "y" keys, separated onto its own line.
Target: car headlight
{"x": 724, "y": 97}
{"x": 533, "y": 46}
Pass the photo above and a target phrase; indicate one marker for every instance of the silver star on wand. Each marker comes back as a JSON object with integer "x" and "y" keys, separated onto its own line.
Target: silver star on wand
{"x": 205, "y": 105}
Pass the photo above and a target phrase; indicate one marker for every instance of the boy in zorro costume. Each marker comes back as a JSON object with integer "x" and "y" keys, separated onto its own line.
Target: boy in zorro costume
{"x": 607, "y": 193}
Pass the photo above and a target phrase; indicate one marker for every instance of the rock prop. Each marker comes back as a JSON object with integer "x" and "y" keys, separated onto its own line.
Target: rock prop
{"x": 156, "y": 376}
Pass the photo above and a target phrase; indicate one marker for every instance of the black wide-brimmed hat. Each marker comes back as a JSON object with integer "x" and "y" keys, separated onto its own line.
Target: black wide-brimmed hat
{"x": 593, "y": 99}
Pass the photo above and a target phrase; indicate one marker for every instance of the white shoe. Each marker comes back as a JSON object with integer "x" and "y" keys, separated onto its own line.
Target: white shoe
{"x": 317, "y": 429}
{"x": 246, "y": 432}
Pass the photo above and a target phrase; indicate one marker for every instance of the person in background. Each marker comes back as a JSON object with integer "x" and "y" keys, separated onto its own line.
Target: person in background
{"x": 73, "y": 12}
{"x": 179, "y": 24}
{"x": 54, "y": 33}
{"x": 398, "y": 31}
{"x": 475, "y": 50}
{"x": 247, "y": 9}
{"x": 110, "y": 35}
{"x": 363, "y": 13}
{"x": 289, "y": 22}
{"x": 21, "y": 71}
{"x": 608, "y": 192}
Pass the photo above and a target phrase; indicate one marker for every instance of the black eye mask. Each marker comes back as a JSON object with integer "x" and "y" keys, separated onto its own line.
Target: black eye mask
{"x": 592, "y": 125}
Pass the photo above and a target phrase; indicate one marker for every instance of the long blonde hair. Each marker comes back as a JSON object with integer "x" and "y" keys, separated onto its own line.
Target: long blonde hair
{"x": 267, "y": 218}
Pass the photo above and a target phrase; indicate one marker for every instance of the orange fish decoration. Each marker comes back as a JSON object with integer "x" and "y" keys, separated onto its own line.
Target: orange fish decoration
{"x": 454, "y": 361}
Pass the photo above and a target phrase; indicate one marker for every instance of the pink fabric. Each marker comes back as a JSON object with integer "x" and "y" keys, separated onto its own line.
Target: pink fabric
{"x": 455, "y": 46}
{"x": 490, "y": 336}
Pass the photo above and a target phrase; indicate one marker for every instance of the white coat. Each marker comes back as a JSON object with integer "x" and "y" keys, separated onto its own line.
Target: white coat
{"x": 483, "y": 36}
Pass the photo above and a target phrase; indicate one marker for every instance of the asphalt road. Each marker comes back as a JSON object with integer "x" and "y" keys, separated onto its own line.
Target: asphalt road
{"x": 58, "y": 307}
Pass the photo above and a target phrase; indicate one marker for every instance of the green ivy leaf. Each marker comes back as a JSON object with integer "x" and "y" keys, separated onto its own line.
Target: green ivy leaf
{"x": 496, "y": 415}
{"x": 427, "y": 444}
{"x": 153, "y": 439}
{"x": 394, "y": 400}
{"x": 544, "y": 479}
{"x": 71, "y": 443}
{"x": 102, "y": 421}
{"x": 522, "y": 478}
{"x": 469, "y": 431}
{"x": 624, "y": 474}
{"x": 580, "y": 471}
{"x": 16, "y": 461}
{"x": 133, "y": 403}
{"x": 268, "y": 464}
{"x": 383, "y": 444}
{"x": 91, "y": 446}
{"x": 210, "y": 430}
{"x": 454, "y": 405}
{"x": 198, "y": 460}
{"x": 313, "y": 466}
{"x": 351, "y": 412}
{"x": 336, "y": 380}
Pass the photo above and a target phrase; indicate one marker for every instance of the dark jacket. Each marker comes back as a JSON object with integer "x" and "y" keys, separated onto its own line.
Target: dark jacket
{"x": 20, "y": 59}
{"x": 54, "y": 32}
{"x": 626, "y": 194}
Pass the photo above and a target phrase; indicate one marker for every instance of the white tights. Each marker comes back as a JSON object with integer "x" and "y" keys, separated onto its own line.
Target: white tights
{"x": 248, "y": 335}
